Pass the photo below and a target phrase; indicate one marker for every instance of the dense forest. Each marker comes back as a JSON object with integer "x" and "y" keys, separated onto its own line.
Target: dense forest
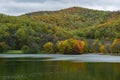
{"x": 73, "y": 30}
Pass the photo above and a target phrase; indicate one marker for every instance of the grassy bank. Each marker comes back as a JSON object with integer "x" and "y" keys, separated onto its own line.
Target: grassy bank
{"x": 19, "y": 52}
{"x": 12, "y": 52}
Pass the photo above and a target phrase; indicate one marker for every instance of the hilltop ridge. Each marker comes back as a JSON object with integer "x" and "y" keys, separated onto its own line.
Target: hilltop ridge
{"x": 73, "y": 9}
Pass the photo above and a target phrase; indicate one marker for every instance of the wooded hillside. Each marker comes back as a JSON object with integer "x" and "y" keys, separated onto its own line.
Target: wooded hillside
{"x": 37, "y": 28}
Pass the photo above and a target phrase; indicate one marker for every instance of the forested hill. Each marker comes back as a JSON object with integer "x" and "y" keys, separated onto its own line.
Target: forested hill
{"x": 74, "y": 17}
{"x": 37, "y": 28}
{"x": 82, "y": 21}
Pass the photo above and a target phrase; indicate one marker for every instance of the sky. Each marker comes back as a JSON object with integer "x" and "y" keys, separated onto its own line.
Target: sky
{"x": 18, "y": 7}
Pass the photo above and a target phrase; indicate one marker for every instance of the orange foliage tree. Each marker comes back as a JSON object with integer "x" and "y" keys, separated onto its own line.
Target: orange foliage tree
{"x": 79, "y": 47}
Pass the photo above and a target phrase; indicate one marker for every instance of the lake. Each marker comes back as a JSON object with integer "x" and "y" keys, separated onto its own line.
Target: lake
{"x": 59, "y": 67}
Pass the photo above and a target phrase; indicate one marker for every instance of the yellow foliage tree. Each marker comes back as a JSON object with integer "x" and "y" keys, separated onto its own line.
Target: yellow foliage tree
{"x": 102, "y": 49}
{"x": 48, "y": 47}
{"x": 66, "y": 46}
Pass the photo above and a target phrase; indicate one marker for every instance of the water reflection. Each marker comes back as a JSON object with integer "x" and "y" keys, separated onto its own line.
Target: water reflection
{"x": 36, "y": 69}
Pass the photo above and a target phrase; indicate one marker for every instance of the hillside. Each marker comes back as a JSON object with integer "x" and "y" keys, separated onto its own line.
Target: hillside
{"x": 78, "y": 20}
{"x": 74, "y": 17}
{"x": 37, "y": 28}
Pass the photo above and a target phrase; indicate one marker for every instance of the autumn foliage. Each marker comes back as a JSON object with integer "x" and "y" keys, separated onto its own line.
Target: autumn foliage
{"x": 79, "y": 47}
{"x": 102, "y": 49}
{"x": 70, "y": 46}
{"x": 48, "y": 47}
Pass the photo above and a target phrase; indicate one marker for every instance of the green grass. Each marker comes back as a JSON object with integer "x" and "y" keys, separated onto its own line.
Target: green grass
{"x": 20, "y": 52}
{"x": 13, "y": 52}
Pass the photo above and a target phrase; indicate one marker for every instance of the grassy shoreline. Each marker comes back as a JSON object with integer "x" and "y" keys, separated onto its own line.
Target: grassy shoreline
{"x": 20, "y": 52}
{"x": 12, "y": 52}
{"x": 17, "y": 52}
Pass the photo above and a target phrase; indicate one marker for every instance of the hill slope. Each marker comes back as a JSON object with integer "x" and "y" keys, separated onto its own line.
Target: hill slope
{"x": 74, "y": 17}
{"x": 78, "y": 20}
{"x": 35, "y": 29}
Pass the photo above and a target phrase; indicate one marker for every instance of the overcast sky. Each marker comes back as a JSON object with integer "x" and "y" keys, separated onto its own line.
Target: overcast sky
{"x": 18, "y": 7}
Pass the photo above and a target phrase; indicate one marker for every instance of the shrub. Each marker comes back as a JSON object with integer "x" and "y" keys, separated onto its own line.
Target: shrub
{"x": 34, "y": 48}
{"x": 3, "y": 47}
{"x": 25, "y": 49}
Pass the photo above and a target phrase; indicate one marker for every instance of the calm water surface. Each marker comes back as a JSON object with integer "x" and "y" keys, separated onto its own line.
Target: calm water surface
{"x": 59, "y": 67}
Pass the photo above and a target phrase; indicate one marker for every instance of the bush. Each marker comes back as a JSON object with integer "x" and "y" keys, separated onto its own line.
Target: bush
{"x": 115, "y": 47}
{"x": 3, "y": 47}
{"x": 25, "y": 49}
{"x": 34, "y": 48}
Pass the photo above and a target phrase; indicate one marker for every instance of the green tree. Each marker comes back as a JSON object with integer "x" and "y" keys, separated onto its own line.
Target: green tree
{"x": 96, "y": 46}
{"x": 97, "y": 34}
{"x": 86, "y": 47}
{"x": 115, "y": 47}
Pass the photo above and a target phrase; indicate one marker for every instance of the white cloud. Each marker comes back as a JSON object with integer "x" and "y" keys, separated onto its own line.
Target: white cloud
{"x": 18, "y": 7}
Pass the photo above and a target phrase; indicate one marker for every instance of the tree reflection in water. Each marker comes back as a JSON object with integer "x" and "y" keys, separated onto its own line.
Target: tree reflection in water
{"x": 36, "y": 69}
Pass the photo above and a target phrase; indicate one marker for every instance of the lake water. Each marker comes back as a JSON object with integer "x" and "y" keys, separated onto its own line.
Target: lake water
{"x": 59, "y": 67}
